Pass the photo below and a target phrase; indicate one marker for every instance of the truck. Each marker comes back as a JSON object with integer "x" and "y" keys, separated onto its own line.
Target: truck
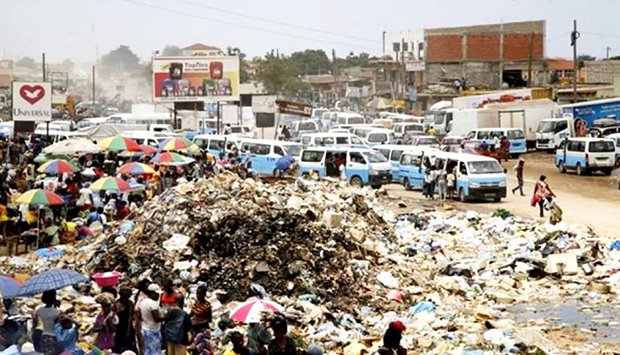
{"x": 514, "y": 109}
{"x": 574, "y": 120}
{"x": 465, "y": 120}
{"x": 525, "y": 115}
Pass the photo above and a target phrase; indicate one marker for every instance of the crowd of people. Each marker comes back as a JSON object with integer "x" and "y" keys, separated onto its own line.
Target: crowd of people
{"x": 149, "y": 319}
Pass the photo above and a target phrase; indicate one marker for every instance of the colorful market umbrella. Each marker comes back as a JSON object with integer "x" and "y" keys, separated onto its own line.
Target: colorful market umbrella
{"x": 9, "y": 287}
{"x": 39, "y": 197}
{"x": 58, "y": 166}
{"x": 147, "y": 149}
{"x": 250, "y": 310}
{"x": 110, "y": 184}
{"x": 135, "y": 169}
{"x": 175, "y": 144}
{"x": 53, "y": 279}
{"x": 44, "y": 158}
{"x": 169, "y": 158}
{"x": 119, "y": 143}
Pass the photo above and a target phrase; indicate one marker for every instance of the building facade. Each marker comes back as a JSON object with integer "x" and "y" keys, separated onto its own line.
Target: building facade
{"x": 485, "y": 56}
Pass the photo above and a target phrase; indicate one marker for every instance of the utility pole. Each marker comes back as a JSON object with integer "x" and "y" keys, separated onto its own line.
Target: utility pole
{"x": 402, "y": 67}
{"x": 93, "y": 84}
{"x": 529, "y": 64}
{"x": 573, "y": 42}
{"x": 608, "y": 49}
{"x": 384, "y": 43}
{"x": 43, "y": 66}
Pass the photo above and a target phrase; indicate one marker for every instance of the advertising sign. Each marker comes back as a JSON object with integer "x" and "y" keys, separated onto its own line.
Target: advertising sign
{"x": 415, "y": 66}
{"x": 294, "y": 108}
{"x": 195, "y": 79}
{"x": 32, "y": 101}
{"x": 264, "y": 103}
{"x": 60, "y": 81}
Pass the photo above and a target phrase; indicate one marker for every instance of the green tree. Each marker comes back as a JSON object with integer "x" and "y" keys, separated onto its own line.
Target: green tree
{"x": 353, "y": 60}
{"x": 311, "y": 62}
{"x": 171, "y": 51}
{"x": 26, "y": 62}
{"x": 278, "y": 75}
{"x": 120, "y": 60}
{"x": 585, "y": 58}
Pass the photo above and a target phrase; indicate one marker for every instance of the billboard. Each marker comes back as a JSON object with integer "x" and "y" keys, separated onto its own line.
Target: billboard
{"x": 60, "y": 81}
{"x": 264, "y": 103}
{"x": 32, "y": 101}
{"x": 195, "y": 79}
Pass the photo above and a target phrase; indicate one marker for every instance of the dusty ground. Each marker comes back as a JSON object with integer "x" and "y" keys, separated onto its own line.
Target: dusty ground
{"x": 589, "y": 200}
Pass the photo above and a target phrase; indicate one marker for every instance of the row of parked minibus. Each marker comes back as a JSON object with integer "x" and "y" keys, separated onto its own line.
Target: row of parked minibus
{"x": 477, "y": 177}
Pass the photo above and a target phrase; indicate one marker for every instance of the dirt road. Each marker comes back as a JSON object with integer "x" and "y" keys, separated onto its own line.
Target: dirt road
{"x": 588, "y": 200}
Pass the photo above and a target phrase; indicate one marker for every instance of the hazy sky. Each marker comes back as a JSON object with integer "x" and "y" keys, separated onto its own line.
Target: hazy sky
{"x": 81, "y": 29}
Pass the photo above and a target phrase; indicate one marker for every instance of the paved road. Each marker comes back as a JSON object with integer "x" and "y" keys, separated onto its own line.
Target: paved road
{"x": 587, "y": 200}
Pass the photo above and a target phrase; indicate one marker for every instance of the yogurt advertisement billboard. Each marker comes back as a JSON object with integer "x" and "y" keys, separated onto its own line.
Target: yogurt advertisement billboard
{"x": 32, "y": 101}
{"x": 196, "y": 79}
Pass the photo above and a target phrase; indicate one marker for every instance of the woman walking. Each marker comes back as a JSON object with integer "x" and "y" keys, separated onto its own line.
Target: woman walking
{"x": 541, "y": 192}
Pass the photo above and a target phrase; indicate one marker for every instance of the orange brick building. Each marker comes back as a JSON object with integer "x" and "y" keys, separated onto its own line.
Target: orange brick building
{"x": 485, "y": 56}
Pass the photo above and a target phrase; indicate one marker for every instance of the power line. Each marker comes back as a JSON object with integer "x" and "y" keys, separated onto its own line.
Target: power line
{"x": 238, "y": 25}
{"x": 276, "y": 22}
{"x": 601, "y": 34}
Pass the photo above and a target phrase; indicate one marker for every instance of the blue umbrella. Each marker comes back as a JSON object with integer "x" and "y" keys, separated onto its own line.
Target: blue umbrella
{"x": 9, "y": 287}
{"x": 52, "y": 280}
{"x": 285, "y": 162}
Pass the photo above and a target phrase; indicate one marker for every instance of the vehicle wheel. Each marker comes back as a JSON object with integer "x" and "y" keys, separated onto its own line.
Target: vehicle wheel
{"x": 406, "y": 184}
{"x": 562, "y": 167}
{"x": 462, "y": 196}
{"x": 497, "y": 199}
{"x": 579, "y": 169}
{"x": 305, "y": 175}
{"x": 607, "y": 171}
{"x": 356, "y": 181}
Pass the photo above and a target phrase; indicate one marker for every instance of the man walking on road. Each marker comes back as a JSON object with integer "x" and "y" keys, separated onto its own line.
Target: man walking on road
{"x": 519, "y": 170}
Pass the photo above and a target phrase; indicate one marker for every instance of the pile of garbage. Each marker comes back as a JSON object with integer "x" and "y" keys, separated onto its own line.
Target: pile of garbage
{"x": 345, "y": 262}
{"x": 292, "y": 239}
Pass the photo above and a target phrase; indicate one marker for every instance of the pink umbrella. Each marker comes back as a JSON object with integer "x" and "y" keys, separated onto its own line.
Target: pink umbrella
{"x": 250, "y": 310}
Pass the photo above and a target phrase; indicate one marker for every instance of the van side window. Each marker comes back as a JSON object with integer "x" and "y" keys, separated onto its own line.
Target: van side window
{"x": 262, "y": 149}
{"x": 462, "y": 168}
{"x": 342, "y": 140}
{"x": 405, "y": 159}
{"x": 312, "y": 156}
{"x": 215, "y": 144}
{"x": 483, "y": 135}
{"x": 496, "y": 133}
{"x": 278, "y": 150}
{"x": 357, "y": 157}
{"x": 248, "y": 147}
{"x": 395, "y": 155}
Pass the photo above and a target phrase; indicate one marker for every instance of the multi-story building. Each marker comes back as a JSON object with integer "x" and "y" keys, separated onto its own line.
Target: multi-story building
{"x": 485, "y": 56}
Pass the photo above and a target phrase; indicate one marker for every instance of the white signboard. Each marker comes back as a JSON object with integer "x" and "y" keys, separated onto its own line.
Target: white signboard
{"x": 264, "y": 103}
{"x": 415, "y": 66}
{"x": 32, "y": 101}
